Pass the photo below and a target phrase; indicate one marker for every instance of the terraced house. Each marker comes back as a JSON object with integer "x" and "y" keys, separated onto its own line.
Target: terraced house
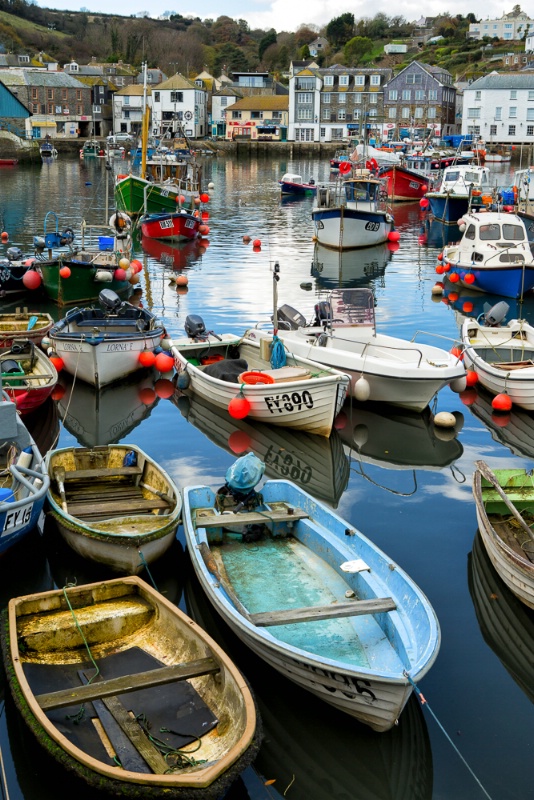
{"x": 332, "y": 104}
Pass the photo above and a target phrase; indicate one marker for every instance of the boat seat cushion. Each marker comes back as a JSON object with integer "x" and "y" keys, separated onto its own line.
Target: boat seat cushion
{"x": 229, "y": 369}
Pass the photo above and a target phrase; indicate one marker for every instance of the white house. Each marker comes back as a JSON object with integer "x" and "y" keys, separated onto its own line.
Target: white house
{"x": 318, "y": 46}
{"x": 128, "y": 109}
{"x": 220, "y": 101}
{"x": 510, "y": 26}
{"x": 500, "y": 108}
{"x": 179, "y": 100}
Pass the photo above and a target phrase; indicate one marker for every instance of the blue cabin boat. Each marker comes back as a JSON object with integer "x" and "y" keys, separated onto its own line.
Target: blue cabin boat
{"x": 294, "y": 185}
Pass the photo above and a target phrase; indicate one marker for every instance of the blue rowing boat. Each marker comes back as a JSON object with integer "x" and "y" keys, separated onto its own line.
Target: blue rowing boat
{"x": 311, "y": 595}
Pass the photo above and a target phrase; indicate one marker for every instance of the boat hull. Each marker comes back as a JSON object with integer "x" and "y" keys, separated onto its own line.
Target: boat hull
{"x": 130, "y": 196}
{"x": 344, "y": 228}
{"x": 366, "y": 693}
{"x": 447, "y": 207}
{"x": 82, "y": 286}
{"x": 170, "y": 227}
{"x": 507, "y": 281}
{"x": 15, "y": 326}
{"x": 404, "y": 184}
{"x": 516, "y": 570}
{"x": 297, "y": 189}
{"x": 309, "y": 405}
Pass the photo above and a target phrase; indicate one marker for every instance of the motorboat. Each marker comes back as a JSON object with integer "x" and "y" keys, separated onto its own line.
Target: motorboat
{"x": 461, "y": 186}
{"x": 494, "y": 254}
{"x": 292, "y": 184}
{"x": 382, "y": 368}
{"x": 354, "y": 213}
{"x": 28, "y": 375}
{"x": 177, "y": 226}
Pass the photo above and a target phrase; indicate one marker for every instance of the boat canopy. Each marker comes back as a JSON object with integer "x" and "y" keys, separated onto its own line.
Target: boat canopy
{"x": 290, "y": 177}
{"x": 351, "y": 307}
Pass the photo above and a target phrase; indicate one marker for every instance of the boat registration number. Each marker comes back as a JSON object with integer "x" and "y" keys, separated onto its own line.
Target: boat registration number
{"x": 189, "y": 223}
{"x": 17, "y": 518}
{"x": 414, "y": 185}
{"x": 372, "y": 226}
{"x": 165, "y": 223}
{"x": 289, "y": 402}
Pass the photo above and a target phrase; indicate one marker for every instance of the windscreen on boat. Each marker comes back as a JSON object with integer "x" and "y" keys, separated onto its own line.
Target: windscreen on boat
{"x": 509, "y": 232}
{"x": 352, "y": 307}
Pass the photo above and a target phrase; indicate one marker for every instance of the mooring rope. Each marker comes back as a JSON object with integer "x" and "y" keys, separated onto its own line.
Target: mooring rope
{"x": 79, "y": 715}
{"x": 424, "y": 702}
{"x": 145, "y": 565}
{"x": 5, "y": 790}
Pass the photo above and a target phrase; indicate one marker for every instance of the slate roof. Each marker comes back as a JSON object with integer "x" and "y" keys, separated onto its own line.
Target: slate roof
{"x": 177, "y": 82}
{"x": 270, "y": 102}
{"x": 134, "y": 90}
{"x": 504, "y": 80}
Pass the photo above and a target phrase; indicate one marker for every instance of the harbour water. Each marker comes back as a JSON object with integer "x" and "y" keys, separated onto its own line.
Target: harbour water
{"x": 392, "y": 474}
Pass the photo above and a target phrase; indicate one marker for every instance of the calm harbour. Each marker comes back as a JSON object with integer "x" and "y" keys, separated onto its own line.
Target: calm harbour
{"x": 392, "y": 474}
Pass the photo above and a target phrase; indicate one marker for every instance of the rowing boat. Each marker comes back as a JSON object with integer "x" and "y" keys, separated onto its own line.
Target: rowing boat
{"x": 113, "y": 504}
{"x": 98, "y": 670}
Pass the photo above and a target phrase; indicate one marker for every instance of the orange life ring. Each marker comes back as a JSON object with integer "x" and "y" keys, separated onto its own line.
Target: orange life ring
{"x": 121, "y": 177}
{"x": 254, "y": 378}
{"x": 345, "y": 167}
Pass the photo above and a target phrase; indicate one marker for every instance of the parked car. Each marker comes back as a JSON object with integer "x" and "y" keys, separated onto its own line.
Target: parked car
{"x": 120, "y": 138}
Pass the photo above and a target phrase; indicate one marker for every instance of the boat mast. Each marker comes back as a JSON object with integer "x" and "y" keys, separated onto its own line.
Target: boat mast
{"x": 144, "y": 124}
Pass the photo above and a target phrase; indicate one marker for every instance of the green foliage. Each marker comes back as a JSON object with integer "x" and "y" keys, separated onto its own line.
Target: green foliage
{"x": 355, "y": 49}
{"x": 304, "y": 52}
{"x": 340, "y": 29}
{"x": 265, "y": 42}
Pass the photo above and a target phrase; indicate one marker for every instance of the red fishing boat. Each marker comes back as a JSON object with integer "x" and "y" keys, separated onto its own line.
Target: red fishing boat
{"x": 28, "y": 375}
{"x": 176, "y": 226}
{"x": 404, "y": 183}
{"x": 8, "y": 162}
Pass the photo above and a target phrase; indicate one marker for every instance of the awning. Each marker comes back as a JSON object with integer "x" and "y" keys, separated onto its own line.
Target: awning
{"x": 45, "y": 124}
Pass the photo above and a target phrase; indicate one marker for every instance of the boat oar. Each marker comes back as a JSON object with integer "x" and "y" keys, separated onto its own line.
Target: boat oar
{"x": 59, "y": 475}
{"x": 157, "y": 492}
{"x": 209, "y": 561}
{"x": 486, "y": 472}
{"x": 32, "y": 322}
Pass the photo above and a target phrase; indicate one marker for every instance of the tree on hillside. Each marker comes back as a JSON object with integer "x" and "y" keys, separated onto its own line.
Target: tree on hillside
{"x": 355, "y": 49}
{"x": 231, "y": 57}
{"x": 226, "y": 29}
{"x": 340, "y": 29}
{"x": 305, "y": 35}
{"x": 265, "y": 42}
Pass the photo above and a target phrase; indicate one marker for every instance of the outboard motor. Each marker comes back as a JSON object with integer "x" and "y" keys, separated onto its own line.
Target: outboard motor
{"x": 110, "y": 301}
{"x": 323, "y": 313}
{"x": 289, "y": 319}
{"x": 194, "y": 326}
{"x": 14, "y": 254}
{"x": 39, "y": 242}
{"x": 494, "y": 315}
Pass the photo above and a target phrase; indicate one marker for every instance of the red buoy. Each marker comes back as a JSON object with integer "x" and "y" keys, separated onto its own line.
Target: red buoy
{"x": 394, "y": 236}
{"x": 239, "y": 442}
{"x": 147, "y": 358}
{"x": 457, "y": 352}
{"x": 57, "y": 362}
{"x": 182, "y": 280}
{"x": 469, "y": 278}
{"x": 501, "y": 402}
{"x": 439, "y": 269}
{"x": 238, "y": 407}
{"x": 164, "y": 388}
{"x": 57, "y": 392}
{"x": 454, "y": 277}
{"x": 424, "y": 202}
{"x": 467, "y": 307}
{"x": 205, "y": 198}
{"x": 453, "y": 296}
{"x": 120, "y": 274}
{"x": 204, "y": 230}
{"x": 164, "y": 362}
{"x": 471, "y": 378}
{"x": 31, "y": 279}
{"x": 4, "y": 236}
{"x": 65, "y": 272}
{"x": 136, "y": 265}
{"x": 256, "y": 243}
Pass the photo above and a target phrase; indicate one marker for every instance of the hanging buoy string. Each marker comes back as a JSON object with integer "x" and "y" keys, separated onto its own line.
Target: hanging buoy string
{"x": 424, "y": 702}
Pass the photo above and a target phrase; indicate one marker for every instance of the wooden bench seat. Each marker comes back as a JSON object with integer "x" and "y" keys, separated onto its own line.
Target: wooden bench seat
{"x": 206, "y": 518}
{"x": 314, "y": 613}
{"x": 119, "y": 507}
{"x": 128, "y": 683}
{"x": 97, "y": 473}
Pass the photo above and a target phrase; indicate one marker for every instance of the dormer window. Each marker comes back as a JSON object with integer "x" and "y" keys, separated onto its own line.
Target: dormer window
{"x": 328, "y": 80}
{"x": 359, "y": 80}
{"x": 343, "y": 80}
{"x": 375, "y": 80}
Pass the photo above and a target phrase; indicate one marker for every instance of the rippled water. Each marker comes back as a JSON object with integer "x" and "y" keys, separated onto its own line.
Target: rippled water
{"x": 404, "y": 484}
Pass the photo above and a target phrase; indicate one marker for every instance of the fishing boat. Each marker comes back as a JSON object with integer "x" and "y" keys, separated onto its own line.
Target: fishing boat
{"x": 315, "y": 463}
{"x": 169, "y": 183}
{"x": 493, "y": 255}
{"x": 28, "y": 375}
{"x": 504, "y": 502}
{"x": 292, "y": 184}
{"x": 234, "y": 373}
{"x": 113, "y": 504}
{"x": 8, "y": 162}
{"x": 461, "y": 187}
{"x": 177, "y": 226}
{"x": 98, "y": 709}
{"x": 354, "y": 213}
{"x": 502, "y": 355}
{"x": 405, "y": 182}
{"x": 77, "y": 274}
{"x": 23, "y": 324}
{"x": 340, "y": 157}
{"x": 498, "y": 153}
{"x": 382, "y": 368}
{"x": 23, "y": 478}
{"x": 310, "y": 594}
{"x": 92, "y": 148}
{"x": 13, "y": 269}
{"x": 47, "y": 149}
{"x": 103, "y": 345}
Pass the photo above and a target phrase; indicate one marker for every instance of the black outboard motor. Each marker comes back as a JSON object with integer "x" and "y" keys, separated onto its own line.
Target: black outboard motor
{"x": 14, "y": 254}
{"x": 289, "y": 319}
{"x": 110, "y": 301}
{"x": 323, "y": 313}
{"x": 194, "y": 326}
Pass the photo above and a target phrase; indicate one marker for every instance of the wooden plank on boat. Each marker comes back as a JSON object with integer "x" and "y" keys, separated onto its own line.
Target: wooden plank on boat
{"x": 99, "y": 473}
{"x": 207, "y": 519}
{"x": 92, "y": 509}
{"x": 98, "y": 690}
{"x": 314, "y": 613}
{"x": 511, "y": 365}
{"x": 136, "y": 735}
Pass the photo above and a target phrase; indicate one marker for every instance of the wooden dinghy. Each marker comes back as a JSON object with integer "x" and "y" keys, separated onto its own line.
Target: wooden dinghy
{"x": 23, "y": 324}
{"x": 164, "y": 714}
{"x": 302, "y": 394}
{"x": 113, "y": 504}
{"x": 504, "y": 502}
{"x": 313, "y": 597}
{"x": 28, "y": 375}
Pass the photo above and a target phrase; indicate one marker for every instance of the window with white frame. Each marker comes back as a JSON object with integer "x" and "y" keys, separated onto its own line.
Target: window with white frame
{"x": 433, "y": 95}
{"x": 419, "y": 95}
{"x": 513, "y": 94}
{"x": 304, "y": 134}
{"x": 357, "y": 98}
{"x": 418, "y": 112}
{"x": 305, "y": 97}
{"x": 493, "y": 130}
{"x": 392, "y": 94}
{"x": 322, "y": 133}
{"x": 224, "y": 101}
{"x": 325, "y": 97}
{"x": 406, "y": 94}
{"x": 512, "y": 112}
{"x": 342, "y": 98}
{"x": 511, "y": 130}
{"x": 478, "y": 95}
{"x": 373, "y": 99}
{"x": 530, "y": 114}
{"x": 473, "y": 113}
{"x": 392, "y": 112}
{"x": 328, "y": 80}
{"x": 530, "y": 130}
{"x": 359, "y": 80}
{"x": 326, "y": 114}
{"x": 431, "y": 113}
{"x": 373, "y": 112}
{"x": 343, "y": 80}
{"x": 474, "y": 130}
{"x": 531, "y": 95}
{"x": 304, "y": 113}
{"x": 498, "y": 113}
{"x": 356, "y": 113}
{"x": 337, "y": 134}
{"x": 375, "y": 80}
{"x": 341, "y": 114}
{"x": 415, "y": 77}
{"x": 405, "y": 114}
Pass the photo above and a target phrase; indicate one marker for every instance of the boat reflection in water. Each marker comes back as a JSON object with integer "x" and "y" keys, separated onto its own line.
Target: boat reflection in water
{"x": 315, "y": 463}
{"x": 105, "y": 417}
{"x": 507, "y": 625}
{"x": 392, "y": 438}
{"x": 349, "y": 269}
{"x": 179, "y": 255}
{"x": 514, "y": 429}
{"x": 314, "y": 749}
{"x": 438, "y": 233}
{"x": 43, "y": 424}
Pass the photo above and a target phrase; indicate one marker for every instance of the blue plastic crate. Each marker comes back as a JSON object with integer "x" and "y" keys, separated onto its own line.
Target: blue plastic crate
{"x": 105, "y": 242}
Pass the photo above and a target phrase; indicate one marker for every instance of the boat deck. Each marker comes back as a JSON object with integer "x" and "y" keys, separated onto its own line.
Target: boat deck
{"x": 513, "y": 536}
{"x": 304, "y": 579}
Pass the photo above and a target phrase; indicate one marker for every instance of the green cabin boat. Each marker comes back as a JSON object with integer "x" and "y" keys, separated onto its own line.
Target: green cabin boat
{"x": 168, "y": 179}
